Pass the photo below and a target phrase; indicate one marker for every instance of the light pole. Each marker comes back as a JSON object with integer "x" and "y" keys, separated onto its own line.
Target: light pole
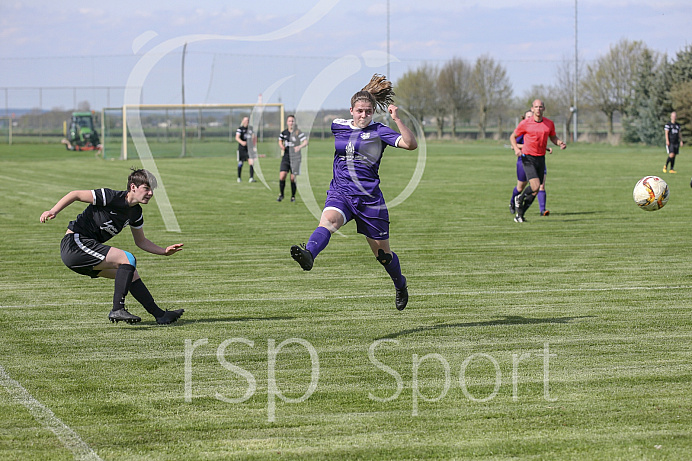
{"x": 576, "y": 72}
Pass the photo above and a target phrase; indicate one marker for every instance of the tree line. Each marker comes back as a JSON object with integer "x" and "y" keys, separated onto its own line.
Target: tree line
{"x": 631, "y": 82}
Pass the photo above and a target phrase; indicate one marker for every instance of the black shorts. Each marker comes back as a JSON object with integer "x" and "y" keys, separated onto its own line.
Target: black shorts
{"x": 534, "y": 167}
{"x": 673, "y": 149}
{"x": 81, "y": 254}
{"x": 290, "y": 162}
{"x": 243, "y": 156}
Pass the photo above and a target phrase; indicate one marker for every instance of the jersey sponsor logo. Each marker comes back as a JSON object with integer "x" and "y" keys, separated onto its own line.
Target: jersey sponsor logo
{"x": 365, "y": 135}
{"x": 111, "y": 229}
{"x": 350, "y": 150}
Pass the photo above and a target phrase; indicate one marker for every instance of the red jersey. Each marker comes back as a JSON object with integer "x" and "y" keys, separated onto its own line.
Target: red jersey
{"x": 536, "y": 135}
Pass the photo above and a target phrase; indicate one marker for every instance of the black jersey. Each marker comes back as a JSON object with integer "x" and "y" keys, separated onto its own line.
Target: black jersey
{"x": 243, "y": 132}
{"x": 291, "y": 140}
{"x": 108, "y": 214}
{"x": 673, "y": 130}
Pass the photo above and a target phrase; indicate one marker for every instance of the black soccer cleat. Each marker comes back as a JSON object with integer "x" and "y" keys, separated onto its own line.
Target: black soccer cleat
{"x": 123, "y": 315}
{"x": 302, "y": 257}
{"x": 401, "y": 298}
{"x": 169, "y": 317}
{"x": 518, "y": 218}
{"x": 281, "y": 197}
{"x": 512, "y": 207}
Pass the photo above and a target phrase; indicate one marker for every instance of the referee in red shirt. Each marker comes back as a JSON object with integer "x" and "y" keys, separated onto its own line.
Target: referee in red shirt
{"x": 536, "y": 130}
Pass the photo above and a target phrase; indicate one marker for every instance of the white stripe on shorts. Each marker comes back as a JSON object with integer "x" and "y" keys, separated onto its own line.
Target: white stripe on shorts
{"x": 86, "y": 250}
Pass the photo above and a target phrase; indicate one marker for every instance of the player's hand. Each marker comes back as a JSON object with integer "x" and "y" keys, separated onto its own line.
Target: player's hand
{"x": 393, "y": 111}
{"x": 173, "y": 249}
{"x": 550, "y": 150}
{"x": 48, "y": 215}
{"x": 517, "y": 152}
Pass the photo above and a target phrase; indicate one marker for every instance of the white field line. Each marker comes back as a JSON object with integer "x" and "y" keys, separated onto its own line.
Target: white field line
{"x": 379, "y": 294}
{"x": 47, "y": 419}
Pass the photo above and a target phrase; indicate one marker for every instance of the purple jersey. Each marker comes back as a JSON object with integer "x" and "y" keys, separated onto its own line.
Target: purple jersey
{"x": 357, "y": 156}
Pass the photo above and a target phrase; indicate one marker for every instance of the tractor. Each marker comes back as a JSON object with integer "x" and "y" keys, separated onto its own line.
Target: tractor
{"x": 82, "y": 135}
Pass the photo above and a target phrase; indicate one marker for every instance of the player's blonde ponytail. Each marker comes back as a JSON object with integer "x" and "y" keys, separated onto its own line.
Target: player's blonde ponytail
{"x": 378, "y": 92}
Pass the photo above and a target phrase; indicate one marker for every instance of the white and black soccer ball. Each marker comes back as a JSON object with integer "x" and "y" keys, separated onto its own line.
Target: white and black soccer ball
{"x": 651, "y": 193}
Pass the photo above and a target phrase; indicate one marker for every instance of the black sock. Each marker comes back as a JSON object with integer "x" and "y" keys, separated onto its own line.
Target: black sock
{"x": 123, "y": 280}
{"x": 240, "y": 169}
{"x": 140, "y": 292}
{"x": 672, "y": 163}
{"x": 282, "y": 187}
{"x": 528, "y": 201}
{"x": 252, "y": 171}
{"x": 293, "y": 188}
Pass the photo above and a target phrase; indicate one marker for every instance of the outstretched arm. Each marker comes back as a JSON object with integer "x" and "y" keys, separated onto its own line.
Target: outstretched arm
{"x": 147, "y": 245}
{"x": 74, "y": 196}
{"x": 408, "y": 140}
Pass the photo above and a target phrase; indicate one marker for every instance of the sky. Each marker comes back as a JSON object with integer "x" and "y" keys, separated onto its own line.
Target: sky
{"x": 307, "y": 54}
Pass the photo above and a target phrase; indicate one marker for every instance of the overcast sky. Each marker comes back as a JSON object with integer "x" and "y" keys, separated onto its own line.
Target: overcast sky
{"x": 305, "y": 53}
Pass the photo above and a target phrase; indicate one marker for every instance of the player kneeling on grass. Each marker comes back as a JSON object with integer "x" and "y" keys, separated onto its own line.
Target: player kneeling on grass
{"x": 109, "y": 212}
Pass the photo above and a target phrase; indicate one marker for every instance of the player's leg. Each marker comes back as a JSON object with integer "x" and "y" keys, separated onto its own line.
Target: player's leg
{"x": 390, "y": 262}
{"x": 521, "y": 184}
{"x": 673, "y": 155}
{"x": 120, "y": 266}
{"x": 251, "y": 162}
{"x": 293, "y": 187}
{"x": 331, "y": 220}
{"x": 535, "y": 169}
{"x": 282, "y": 184}
{"x": 542, "y": 197}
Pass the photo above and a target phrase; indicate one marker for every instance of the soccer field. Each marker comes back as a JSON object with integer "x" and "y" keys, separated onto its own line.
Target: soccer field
{"x": 565, "y": 337}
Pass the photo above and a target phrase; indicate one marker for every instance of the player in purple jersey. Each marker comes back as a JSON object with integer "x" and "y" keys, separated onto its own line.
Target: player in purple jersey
{"x": 354, "y": 192}
{"x": 109, "y": 212}
{"x": 522, "y": 181}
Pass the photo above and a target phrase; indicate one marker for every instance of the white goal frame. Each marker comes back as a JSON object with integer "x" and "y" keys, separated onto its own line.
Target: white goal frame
{"x": 259, "y": 107}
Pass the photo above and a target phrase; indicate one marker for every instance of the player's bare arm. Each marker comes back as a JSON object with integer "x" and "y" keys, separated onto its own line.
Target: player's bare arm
{"x": 515, "y": 145}
{"x": 558, "y": 142}
{"x": 408, "y": 140}
{"x": 147, "y": 245}
{"x": 71, "y": 197}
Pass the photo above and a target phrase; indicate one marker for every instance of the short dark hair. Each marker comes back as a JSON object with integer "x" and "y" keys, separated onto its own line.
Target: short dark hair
{"x": 141, "y": 176}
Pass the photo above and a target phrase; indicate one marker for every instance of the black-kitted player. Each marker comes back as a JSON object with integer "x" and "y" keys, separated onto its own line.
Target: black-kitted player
{"x": 673, "y": 142}
{"x": 109, "y": 212}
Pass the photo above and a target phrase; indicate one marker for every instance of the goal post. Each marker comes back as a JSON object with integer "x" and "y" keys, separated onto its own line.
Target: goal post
{"x": 209, "y": 128}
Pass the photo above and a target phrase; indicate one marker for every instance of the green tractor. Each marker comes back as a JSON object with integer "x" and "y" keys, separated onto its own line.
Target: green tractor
{"x": 82, "y": 135}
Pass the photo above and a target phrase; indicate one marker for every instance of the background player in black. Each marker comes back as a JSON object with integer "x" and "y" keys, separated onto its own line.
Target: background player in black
{"x": 291, "y": 141}
{"x": 673, "y": 142}
{"x": 244, "y": 136}
{"x": 82, "y": 248}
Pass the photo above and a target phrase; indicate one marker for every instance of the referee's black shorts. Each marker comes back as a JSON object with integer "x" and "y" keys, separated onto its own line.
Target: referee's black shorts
{"x": 534, "y": 166}
{"x": 81, "y": 254}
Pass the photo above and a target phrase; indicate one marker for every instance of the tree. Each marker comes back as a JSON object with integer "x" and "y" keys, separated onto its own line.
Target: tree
{"x": 563, "y": 92}
{"x": 493, "y": 90}
{"x": 646, "y": 113}
{"x": 682, "y": 104}
{"x": 416, "y": 92}
{"x": 454, "y": 90}
{"x": 609, "y": 83}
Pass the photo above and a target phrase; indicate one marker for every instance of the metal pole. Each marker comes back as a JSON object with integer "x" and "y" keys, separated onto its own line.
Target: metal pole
{"x": 576, "y": 73}
{"x": 182, "y": 154}
{"x": 388, "y": 76}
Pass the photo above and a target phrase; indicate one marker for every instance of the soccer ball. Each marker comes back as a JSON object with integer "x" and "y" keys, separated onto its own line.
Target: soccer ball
{"x": 650, "y": 193}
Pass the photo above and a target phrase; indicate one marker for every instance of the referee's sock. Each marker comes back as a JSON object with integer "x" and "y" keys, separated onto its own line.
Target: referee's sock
{"x": 293, "y": 188}
{"x": 318, "y": 241}
{"x": 123, "y": 280}
{"x": 282, "y": 187}
{"x": 141, "y": 293}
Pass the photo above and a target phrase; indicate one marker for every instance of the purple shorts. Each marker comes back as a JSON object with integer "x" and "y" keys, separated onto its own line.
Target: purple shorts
{"x": 370, "y": 213}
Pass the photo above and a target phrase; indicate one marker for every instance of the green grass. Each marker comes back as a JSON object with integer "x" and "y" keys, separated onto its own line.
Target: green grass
{"x": 605, "y": 286}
